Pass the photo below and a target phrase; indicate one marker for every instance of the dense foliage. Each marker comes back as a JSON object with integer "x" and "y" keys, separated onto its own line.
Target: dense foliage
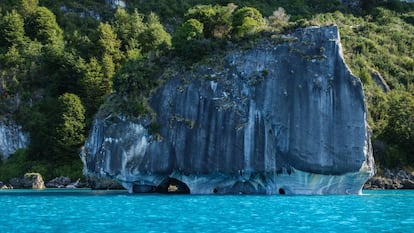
{"x": 61, "y": 59}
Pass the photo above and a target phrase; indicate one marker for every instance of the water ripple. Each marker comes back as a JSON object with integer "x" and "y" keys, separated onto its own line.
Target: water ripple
{"x": 375, "y": 211}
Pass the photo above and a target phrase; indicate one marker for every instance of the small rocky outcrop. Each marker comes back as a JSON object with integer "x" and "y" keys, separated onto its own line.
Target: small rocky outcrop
{"x": 380, "y": 81}
{"x": 283, "y": 115}
{"x": 16, "y": 182}
{"x": 28, "y": 181}
{"x": 391, "y": 179}
{"x": 116, "y": 3}
{"x": 102, "y": 183}
{"x": 5, "y": 187}
{"x": 58, "y": 182}
{"x": 33, "y": 180}
{"x": 65, "y": 182}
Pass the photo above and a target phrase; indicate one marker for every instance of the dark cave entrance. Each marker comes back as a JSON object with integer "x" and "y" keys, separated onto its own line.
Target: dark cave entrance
{"x": 282, "y": 191}
{"x": 173, "y": 186}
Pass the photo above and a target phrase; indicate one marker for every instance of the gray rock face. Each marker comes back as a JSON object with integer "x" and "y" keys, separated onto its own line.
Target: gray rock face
{"x": 283, "y": 116}
{"x": 11, "y": 138}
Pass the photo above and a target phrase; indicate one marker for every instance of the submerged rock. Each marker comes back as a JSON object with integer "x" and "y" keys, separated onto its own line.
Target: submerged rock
{"x": 284, "y": 116}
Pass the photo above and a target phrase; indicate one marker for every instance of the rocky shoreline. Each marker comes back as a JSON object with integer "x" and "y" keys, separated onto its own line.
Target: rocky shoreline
{"x": 35, "y": 181}
{"x": 386, "y": 179}
{"x": 391, "y": 179}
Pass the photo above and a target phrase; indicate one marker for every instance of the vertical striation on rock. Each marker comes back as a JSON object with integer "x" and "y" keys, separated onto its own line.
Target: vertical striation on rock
{"x": 284, "y": 116}
{"x": 12, "y": 137}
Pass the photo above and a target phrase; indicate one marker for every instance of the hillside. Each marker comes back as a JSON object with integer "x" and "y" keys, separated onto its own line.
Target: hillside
{"x": 61, "y": 59}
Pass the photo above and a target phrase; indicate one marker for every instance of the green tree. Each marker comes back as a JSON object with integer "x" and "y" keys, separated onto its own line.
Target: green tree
{"x": 128, "y": 28}
{"x": 40, "y": 121}
{"x": 136, "y": 77}
{"x": 108, "y": 43}
{"x": 247, "y": 21}
{"x": 61, "y": 71}
{"x": 400, "y": 125}
{"x": 108, "y": 67}
{"x": 154, "y": 36}
{"x": 378, "y": 108}
{"x": 42, "y": 26}
{"x": 11, "y": 29}
{"x": 133, "y": 82}
{"x": 186, "y": 39}
{"x": 69, "y": 133}
{"x": 82, "y": 45}
{"x": 15, "y": 166}
{"x": 216, "y": 19}
{"x": 26, "y": 7}
{"x": 10, "y": 72}
{"x": 94, "y": 86}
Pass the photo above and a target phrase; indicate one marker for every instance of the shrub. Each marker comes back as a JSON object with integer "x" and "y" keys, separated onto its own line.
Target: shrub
{"x": 216, "y": 19}
{"x": 247, "y": 21}
{"x": 15, "y": 166}
{"x": 187, "y": 39}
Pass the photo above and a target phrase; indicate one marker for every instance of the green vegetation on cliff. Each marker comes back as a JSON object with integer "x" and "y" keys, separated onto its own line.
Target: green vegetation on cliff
{"x": 61, "y": 59}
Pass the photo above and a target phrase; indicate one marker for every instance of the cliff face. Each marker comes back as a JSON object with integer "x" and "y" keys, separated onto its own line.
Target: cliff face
{"x": 11, "y": 138}
{"x": 284, "y": 116}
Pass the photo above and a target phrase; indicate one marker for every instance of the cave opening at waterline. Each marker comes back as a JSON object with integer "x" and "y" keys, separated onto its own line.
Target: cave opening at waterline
{"x": 173, "y": 186}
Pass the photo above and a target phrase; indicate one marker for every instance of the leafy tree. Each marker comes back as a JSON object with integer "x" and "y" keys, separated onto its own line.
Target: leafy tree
{"x": 81, "y": 45}
{"x": 10, "y": 73}
{"x": 128, "y": 28}
{"x": 94, "y": 86}
{"x": 247, "y": 21}
{"x": 69, "y": 133}
{"x": 27, "y": 7}
{"x": 136, "y": 77}
{"x": 378, "y": 107}
{"x": 61, "y": 71}
{"x": 40, "y": 122}
{"x": 192, "y": 29}
{"x": 186, "y": 39}
{"x": 400, "y": 124}
{"x": 108, "y": 43}
{"x": 154, "y": 37}
{"x": 216, "y": 19}
{"x": 108, "y": 67}
{"x": 15, "y": 166}
{"x": 11, "y": 29}
{"x": 133, "y": 82}
{"x": 43, "y": 27}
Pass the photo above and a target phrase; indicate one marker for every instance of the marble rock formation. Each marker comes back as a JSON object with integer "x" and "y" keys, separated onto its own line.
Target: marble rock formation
{"x": 282, "y": 116}
{"x": 12, "y": 137}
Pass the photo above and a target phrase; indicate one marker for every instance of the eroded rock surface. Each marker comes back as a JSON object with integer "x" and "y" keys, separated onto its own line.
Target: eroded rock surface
{"x": 30, "y": 180}
{"x": 284, "y": 116}
{"x": 12, "y": 137}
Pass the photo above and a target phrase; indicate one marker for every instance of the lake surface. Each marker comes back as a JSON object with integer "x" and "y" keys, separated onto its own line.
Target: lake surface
{"x": 117, "y": 211}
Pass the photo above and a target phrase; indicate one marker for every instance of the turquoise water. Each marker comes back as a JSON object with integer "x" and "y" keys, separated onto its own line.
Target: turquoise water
{"x": 101, "y": 211}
